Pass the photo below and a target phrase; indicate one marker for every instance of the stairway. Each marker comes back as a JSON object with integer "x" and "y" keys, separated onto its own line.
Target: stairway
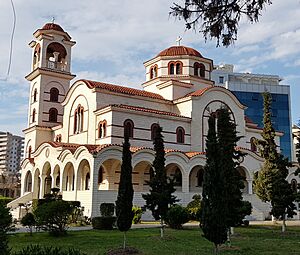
{"x": 14, "y": 205}
{"x": 260, "y": 210}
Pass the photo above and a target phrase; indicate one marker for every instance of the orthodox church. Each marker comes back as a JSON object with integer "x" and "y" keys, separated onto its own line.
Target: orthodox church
{"x": 75, "y": 132}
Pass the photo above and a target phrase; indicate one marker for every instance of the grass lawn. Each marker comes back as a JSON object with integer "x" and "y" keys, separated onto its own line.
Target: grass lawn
{"x": 254, "y": 240}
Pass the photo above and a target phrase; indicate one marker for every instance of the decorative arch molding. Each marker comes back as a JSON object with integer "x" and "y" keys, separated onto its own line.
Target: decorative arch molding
{"x": 251, "y": 154}
{"x": 225, "y": 91}
{"x": 115, "y": 154}
{"x": 65, "y": 155}
{"x": 196, "y": 161}
{"x": 81, "y": 151}
{"x": 57, "y": 85}
{"x": 26, "y": 163}
{"x": 178, "y": 159}
{"x": 143, "y": 155}
{"x": 71, "y": 91}
{"x": 177, "y": 155}
{"x": 247, "y": 173}
{"x": 41, "y": 148}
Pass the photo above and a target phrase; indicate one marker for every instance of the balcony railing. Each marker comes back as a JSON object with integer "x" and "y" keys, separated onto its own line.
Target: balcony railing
{"x": 56, "y": 66}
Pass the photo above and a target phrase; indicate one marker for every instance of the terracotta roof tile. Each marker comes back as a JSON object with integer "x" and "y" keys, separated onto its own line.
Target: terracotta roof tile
{"x": 179, "y": 51}
{"x": 143, "y": 109}
{"x": 191, "y": 154}
{"x": 122, "y": 89}
{"x": 52, "y": 26}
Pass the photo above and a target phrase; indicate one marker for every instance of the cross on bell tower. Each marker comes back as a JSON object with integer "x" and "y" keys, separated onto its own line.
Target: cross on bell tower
{"x": 178, "y": 40}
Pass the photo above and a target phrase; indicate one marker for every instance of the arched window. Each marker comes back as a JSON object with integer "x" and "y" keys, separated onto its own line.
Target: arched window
{"x": 29, "y": 152}
{"x": 171, "y": 68}
{"x": 153, "y": 72}
{"x": 102, "y": 129}
{"x": 35, "y": 95}
{"x": 128, "y": 128}
{"x": 178, "y": 68}
{"x": 200, "y": 178}
{"x": 253, "y": 144}
{"x": 54, "y": 94}
{"x": 154, "y": 128}
{"x": 202, "y": 70}
{"x": 294, "y": 185}
{"x": 100, "y": 175}
{"x": 33, "y": 116}
{"x": 58, "y": 138}
{"x": 78, "y": 119}
{"x": 53, "y": 115}
{"x": 180, "y": 135}
{"x": 87, "y": 181}
{"x": 196, "y": 69}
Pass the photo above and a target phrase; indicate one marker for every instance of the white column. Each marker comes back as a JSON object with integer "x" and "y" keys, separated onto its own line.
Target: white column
{"x": 250, "y": 182}
{"x": 42, "y": 186}
{"x": 185, "y": 183}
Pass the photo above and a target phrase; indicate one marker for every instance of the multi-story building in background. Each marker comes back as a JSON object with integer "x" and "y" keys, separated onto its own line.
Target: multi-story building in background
{"x": 248, "y": 89}
{"x": 11, "y": 152}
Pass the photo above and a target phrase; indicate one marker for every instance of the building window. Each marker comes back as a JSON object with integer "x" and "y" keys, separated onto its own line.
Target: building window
{"x": 78, "y": 119}
{"x": 202, "y": 70}
{"x": 178, "y": 68}
{"x": 87, "y": 181}
{"x": 102, "y": 129}
{"x": 128, "y": 128}
{"x": 54, "y": 94}
{"x": 29, "y": 152}
{"x": 153, "y": 72}
{"x": 253, "y": 144}
{"x": 53, "y": 115}
{"x": 100, "y": 175}
{"x": 180, "y": 135}
{"x": 221, "y": 79}
{"x": 294, "y": 185}
{"x": 171, "y": 68}
{"x": 58, "y": 138}
{"x": 35, "y": 95}
{"x": 154, "y": 128}
{"x": 33, "y": 116}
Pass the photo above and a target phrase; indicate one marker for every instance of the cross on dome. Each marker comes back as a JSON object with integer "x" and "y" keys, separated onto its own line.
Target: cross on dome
{"x": 53, "y": 19}
{"x": 178, "y": 40}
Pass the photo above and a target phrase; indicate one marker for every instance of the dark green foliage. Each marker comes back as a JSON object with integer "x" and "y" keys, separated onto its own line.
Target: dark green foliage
{"x": 213, "y": 205}
{"x": 104, "y": 222}
{"x": 5, "y": 200}
{"x": 137, "y": 214}
{"x": 177, "y": 216}
{"x": 270, "y": 183}
{"x": 229, "y": 158}
{"x": 107, "y": 209}
{"x": 5, "y": 226}
{"x": 218, "y": 19}
{"x": 160, "y": 197}
{"x": 125, "y": 193}
{"x": 194, "y": 208}
{"x": 54, "y": 216}
{"x": 245, "y": 210}
{"x": 28, "y": 221}
{"x": 40, "y": 250}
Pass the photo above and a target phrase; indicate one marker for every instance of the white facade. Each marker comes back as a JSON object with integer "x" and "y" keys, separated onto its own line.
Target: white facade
{"x": 79, "y": 150}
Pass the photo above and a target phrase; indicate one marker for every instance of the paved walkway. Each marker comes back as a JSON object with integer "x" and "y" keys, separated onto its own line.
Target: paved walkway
{"x": 20, "y": 229}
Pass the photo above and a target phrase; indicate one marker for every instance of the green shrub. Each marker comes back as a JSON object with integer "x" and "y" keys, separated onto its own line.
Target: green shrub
{"x": 5, "y": 226}
{"x": 107, "y": 209}
{"x": 137, "y": 214}
{"x": 5, "y": 200}
{"x": 177, "y": 216}
{"x": 40, "y": 250}
{"x": 104, "y": 222}
{"x": 54, "y": 216}
{"x": 194, "y": 207}
{"x": 28, "y": 221}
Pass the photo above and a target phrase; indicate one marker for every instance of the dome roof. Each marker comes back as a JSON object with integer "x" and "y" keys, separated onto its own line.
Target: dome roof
{"x": 178, "y": 51}
{"x": 52, "y": 26}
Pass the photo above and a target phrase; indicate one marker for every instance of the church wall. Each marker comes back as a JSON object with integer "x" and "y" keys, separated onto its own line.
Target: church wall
{"x": 142, "y": 129}
{"x": 107, "y": 116}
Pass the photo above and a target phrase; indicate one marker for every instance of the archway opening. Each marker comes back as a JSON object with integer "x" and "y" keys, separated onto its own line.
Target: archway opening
{"x": 196, "y": 179}
{"x": 83, "y": 175}
{"x": 68, "y": 177}
{"x": 174, "y": 172}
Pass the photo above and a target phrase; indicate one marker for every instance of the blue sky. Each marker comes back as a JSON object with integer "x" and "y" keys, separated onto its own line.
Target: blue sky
{"x": 115, "y": 37}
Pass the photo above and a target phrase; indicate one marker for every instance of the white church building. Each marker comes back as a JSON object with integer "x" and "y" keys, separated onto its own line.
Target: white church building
{"x": 75, "y": 132}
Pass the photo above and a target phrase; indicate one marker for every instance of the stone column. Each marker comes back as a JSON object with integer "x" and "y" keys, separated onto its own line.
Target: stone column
{"x": 250, "y": 182}
{"x": 42, "y": 186}
{"x": 185, "y": 183}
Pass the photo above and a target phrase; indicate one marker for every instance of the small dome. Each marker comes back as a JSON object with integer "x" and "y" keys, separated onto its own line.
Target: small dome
{"x": 52, "y": 26}
{"x": 178, "y": 51}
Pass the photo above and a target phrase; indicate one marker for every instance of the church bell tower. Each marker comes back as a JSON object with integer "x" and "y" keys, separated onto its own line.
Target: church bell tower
{"x": 49, "y": 78}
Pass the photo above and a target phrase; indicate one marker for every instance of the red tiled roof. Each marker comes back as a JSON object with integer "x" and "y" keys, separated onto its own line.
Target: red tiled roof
{"x": 143, "y": 109}
{"x": 52, "y": 26}
{"x": 122, "y": 89}
{"x": 248, "y": 120}
{"x": 199, "y": 92}
{"x": 191, "y": 154}
{"x": 179, "y": 51}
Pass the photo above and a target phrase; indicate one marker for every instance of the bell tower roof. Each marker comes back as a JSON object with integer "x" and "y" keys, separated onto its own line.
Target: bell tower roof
{"x": 52, "y": 26}
{"x": 179, "y": 51}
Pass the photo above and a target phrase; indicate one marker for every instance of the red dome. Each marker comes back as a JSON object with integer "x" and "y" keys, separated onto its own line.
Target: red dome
{"x": 179, "y": 50}
{"x": 52, "y": 26}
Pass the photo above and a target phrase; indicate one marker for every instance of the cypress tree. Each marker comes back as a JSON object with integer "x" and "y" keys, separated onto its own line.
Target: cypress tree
{"x": 212, "y": 205}
{"x": 125, "y": 193}
{"x": 160, "y": 197}
{"x": 270, "y": 183}
{"x": 229, "y": 159}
